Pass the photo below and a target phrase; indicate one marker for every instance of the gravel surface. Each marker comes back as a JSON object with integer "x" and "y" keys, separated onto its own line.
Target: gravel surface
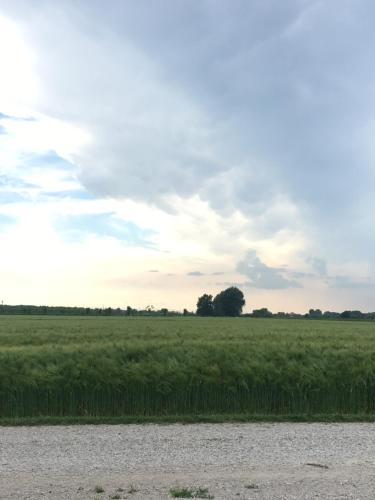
{"x": 232, "y": 461}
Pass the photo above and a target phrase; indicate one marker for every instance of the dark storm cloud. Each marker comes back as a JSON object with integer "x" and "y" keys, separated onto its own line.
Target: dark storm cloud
{"x": 243, "y": 103}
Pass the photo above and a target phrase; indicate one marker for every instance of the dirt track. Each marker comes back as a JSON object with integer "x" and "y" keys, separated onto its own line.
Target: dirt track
{"x": 69, "y": 462}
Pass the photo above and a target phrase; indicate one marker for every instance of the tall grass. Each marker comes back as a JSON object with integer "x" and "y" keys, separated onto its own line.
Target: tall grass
{"x": 184, "y": 366}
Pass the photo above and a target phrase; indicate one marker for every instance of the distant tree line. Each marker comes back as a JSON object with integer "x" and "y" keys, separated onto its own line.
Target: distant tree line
{"x": 312, "y": 314}
{"x": 89, "y": 311}
{"x": 228, "y": 302}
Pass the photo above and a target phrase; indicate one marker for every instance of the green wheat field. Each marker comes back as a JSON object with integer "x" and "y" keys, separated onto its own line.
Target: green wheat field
{"x": 176, "y": 368}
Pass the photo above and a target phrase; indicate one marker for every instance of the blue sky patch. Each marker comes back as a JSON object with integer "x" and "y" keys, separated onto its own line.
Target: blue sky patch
{"x": 74, "y": 194}
{"x": 10, "y": 197}
{"x": 4, "y": 116}
{"x": 5, "y": 221}
{"x": 50, "y": 159}
{"x": 14, "y": 182}
{"x": 105, "y": 225}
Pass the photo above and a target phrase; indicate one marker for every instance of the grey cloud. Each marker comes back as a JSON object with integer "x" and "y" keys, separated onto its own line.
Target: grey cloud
{"x": 318, "y": 265}
{"x": 349, "y": 282}
{"x": 153, "y": 271}
{"x": 195, "y": 273}
{"x": 262, "y": 276}
{"x": 239, "y": 102}
{"x": 300, "y": 274}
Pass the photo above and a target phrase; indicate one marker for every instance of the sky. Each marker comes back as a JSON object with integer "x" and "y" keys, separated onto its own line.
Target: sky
{"x": 155, "y": 150}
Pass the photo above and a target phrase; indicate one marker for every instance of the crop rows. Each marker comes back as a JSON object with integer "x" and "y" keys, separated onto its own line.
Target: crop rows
{"x": 184, "y": 366}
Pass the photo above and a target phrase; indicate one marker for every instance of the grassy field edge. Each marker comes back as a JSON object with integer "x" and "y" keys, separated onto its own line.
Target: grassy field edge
{"x": 186, "y": 419}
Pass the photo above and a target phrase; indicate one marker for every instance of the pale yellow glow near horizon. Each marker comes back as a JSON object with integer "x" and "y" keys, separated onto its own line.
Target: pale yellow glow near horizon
{"x": 39, "y": 267}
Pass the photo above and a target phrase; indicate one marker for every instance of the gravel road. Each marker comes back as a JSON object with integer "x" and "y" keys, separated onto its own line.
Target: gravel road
{"x": 232, "y": 461}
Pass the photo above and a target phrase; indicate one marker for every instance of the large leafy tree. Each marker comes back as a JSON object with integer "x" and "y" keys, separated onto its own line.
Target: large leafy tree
{"x": 205, "y": 306}
{"x": 229, "y": 302}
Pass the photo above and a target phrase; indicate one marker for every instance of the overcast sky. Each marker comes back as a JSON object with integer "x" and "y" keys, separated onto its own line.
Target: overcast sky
{"x": 154, "y": 150}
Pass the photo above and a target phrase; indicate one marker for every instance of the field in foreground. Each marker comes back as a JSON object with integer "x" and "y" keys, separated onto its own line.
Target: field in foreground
{"x": 227, "y": 462}
{"x": 175, "y": 367}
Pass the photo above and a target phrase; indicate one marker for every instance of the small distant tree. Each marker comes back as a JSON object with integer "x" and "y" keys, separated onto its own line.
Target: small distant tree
{"x": 280, "y": 314}
{"x": 229, "y": 302}
{"x": 331, "y": 315}
{"x": 150, "y": 309}
{"x": 315, "y": 313}
{"x": 205, "y": 306}
{"x": 185, "y": 312}
{"x": 356, "y": 315}
{"x": 164, "y": 311}
{"x": 262, "y": 313}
